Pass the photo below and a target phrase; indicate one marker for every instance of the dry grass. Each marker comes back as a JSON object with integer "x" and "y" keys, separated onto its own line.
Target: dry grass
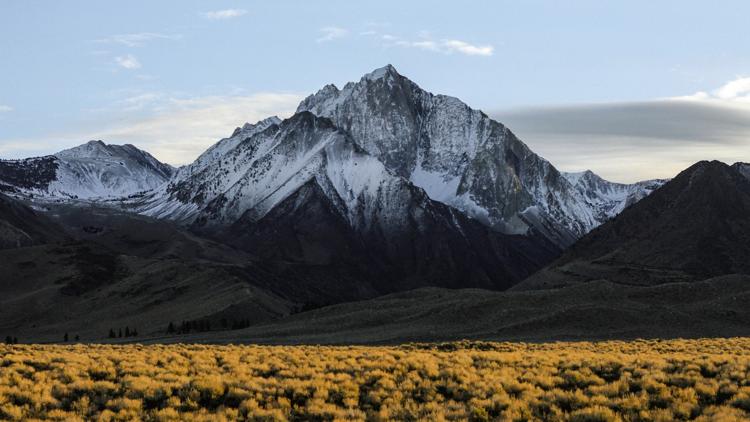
{"x": 609, "y": 381}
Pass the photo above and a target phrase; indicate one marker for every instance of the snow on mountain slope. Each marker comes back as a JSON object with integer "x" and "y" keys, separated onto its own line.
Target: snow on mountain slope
{"x": 607, "y": 199}
{"x": 93, "y": 170}
{"x": 457, "y": 154}
{"x": 269, "y": 164}
{"x": 302, "y": 190}
{"x": 220, "y": 148}
{"x": 743, "y": 168}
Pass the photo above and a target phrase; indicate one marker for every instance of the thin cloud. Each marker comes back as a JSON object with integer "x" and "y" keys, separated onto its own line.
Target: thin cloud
{"x": 225, "y": 14}
{"x": 632, "y": 141}
{"x": 128, "y": 61}
{"x": 463, "y": 47}
{"x": 138, "y": 39}
{"x": 187, "y": 127}
{"x": 330, "y": 33}
{"x": 174, "y": 130}
{"x": 140, "y": 101}
{"x": 445, "y": 46}
{"x": 5, "y": 108}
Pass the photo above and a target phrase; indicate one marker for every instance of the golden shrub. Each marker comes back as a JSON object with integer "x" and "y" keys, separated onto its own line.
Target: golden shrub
{"x": 640, "y": 380}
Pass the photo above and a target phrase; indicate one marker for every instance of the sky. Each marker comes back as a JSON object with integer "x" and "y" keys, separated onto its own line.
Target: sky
{"x": 631, "y": 90}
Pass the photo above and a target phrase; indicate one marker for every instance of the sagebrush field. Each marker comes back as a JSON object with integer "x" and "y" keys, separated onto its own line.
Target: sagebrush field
{"x": 632, "y": 381}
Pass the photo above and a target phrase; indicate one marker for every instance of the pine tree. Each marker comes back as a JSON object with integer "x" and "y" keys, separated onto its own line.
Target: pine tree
{"x": 8, "y": 340}
{"x": 78, "y": 338}
{"x": 170, "y": 328}
{"x": 119, "y": 334}
{"x": 127, "y": 332}
{"x": 112, "y": 333}
{"x": 15, "y": 340}
{"x": 66, "y": 337}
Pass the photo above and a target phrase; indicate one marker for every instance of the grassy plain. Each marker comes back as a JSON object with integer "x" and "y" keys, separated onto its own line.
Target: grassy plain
{"x": 640, "y": 380}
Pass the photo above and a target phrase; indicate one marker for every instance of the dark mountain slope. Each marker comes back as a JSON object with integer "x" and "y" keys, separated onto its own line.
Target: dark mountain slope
{"x": 22, "y": 226}
{"x": 596, "y": 311}
{"x": 694, "y": 227}
{"x": 435, "y": 245}
{"x": 309, "y": 194}
{"x": 115, "y": 269}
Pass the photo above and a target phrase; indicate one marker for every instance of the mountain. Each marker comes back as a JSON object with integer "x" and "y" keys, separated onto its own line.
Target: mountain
{"x": 22, "y": 226}
{"x": 463, "y": 158}
{"x": 301, "y": 190}
{"x": 89, "y": 171}
{"x": 694, "y": 227}
{"x": 380, "y": 177}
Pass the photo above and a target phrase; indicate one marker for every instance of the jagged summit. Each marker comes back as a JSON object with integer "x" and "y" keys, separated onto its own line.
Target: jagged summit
{"x": 261, "y": 124}
{"x": 382, "y": 73}
{"x": 457, "y": 155}
{"x": 463, "y": 158}
{"x": 575, "y": 177}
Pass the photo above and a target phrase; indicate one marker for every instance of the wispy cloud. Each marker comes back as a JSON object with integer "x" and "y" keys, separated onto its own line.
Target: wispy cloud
{"x": 184, "y": 128}
{"x": 128, "y": 61}
{"x": 5, "y": 108}
{"x": 330, "y": 33}
{"x": 139, "y": 101}
{"x": 224, "y": 14}
{"x": 174, "y": 129}
{"x": 138, "y": 39}
{"x": 463, "y": 47}
{"x": 425, "y": 41}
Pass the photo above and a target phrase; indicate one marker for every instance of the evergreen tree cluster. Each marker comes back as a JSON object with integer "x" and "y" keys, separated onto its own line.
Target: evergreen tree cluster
{"x": 66, "y": 337}
{"x": 120, "y": 333}
{"x": 202, "y": 325}
{"x": 11, "y": 340}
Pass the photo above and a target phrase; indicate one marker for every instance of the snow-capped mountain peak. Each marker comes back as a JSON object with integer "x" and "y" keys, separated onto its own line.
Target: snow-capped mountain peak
{"x": 458, "y": 155}
{"x": 385, "y": 72}
{"x": 90, "y": 171}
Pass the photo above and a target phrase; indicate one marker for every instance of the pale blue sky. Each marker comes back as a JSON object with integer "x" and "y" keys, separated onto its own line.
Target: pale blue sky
{"x": 174, "y": 76}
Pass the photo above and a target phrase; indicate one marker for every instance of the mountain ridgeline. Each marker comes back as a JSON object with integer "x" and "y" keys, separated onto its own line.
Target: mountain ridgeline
{"x": 392, "y": 185}
{"x": 89, "y": 171}
{"x": 412, "y": 188}
{"x": 463, "y": 158}
{"x": 694, "y": 227}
